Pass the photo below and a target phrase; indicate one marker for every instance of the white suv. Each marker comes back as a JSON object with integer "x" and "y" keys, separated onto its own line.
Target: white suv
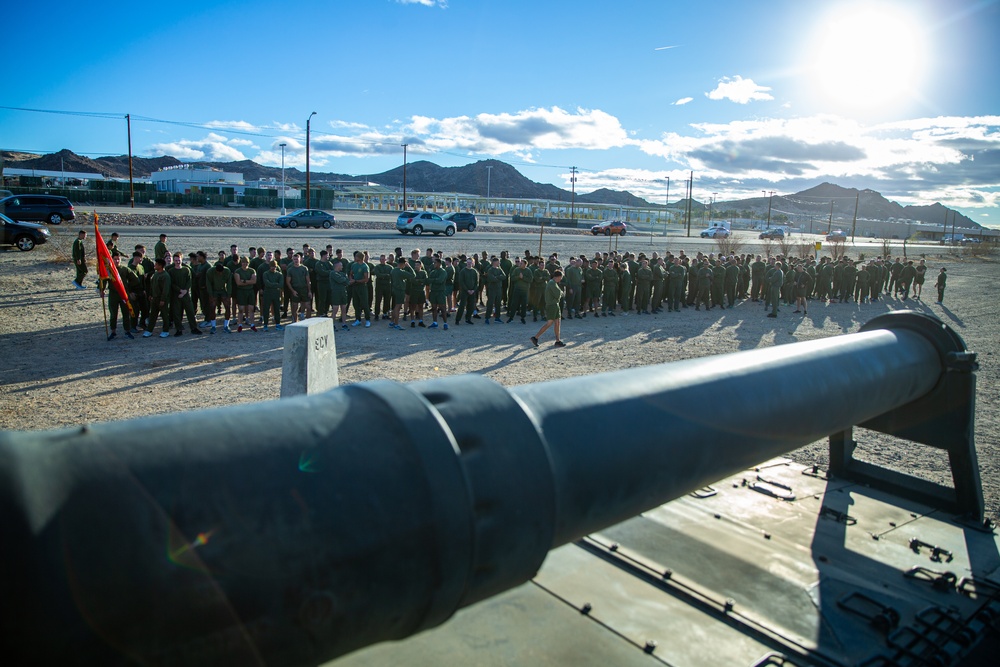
{"x": 425, "y": 222}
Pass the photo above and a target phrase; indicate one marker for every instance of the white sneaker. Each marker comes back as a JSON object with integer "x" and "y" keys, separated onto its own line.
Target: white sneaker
{"x": 367, "y": 324}
{"x": 164, "y": 335}
{"x": 147, "y": 334}
{"x": 356, "y": 323}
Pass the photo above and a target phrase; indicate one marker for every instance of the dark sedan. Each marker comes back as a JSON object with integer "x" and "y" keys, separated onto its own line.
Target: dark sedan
{"x": 24, "y": 235}
{"x": 307, "y": 217}
{"x": 466, "y": 221}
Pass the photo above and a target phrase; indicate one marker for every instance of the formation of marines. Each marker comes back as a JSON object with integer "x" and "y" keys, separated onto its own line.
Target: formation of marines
{"x": 425, "y": 289}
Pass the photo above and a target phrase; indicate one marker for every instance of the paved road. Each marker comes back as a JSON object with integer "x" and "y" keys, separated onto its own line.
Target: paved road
{"x": 635, "y": 240}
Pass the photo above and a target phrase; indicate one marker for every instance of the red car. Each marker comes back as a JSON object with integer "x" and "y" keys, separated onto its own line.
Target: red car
{"x": 609, "y": 228}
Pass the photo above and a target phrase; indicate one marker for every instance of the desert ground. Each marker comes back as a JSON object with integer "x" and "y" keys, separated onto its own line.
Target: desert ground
{"x": 60, "y": 370}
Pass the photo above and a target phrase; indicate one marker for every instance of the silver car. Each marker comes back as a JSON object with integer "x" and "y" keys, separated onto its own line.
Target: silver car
{"x": 425, "y": 222}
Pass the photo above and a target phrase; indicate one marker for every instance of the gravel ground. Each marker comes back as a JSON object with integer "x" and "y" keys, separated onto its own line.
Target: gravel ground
{"x": 61, "y": 371}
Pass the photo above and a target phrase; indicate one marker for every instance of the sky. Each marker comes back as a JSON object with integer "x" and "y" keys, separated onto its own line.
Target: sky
{"x": 899, "y": 96}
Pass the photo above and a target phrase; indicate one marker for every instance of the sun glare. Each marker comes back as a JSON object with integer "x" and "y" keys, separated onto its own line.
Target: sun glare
{"x": 869, "y": 57}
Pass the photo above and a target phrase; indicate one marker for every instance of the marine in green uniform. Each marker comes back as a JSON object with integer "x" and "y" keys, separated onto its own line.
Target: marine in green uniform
{"x": 400, "y": 277}
{"x": 942, "y": 280}
{"x": 245, "y": 278}
{"x": 383, "y": 288}
{"x": 553, "y": 310}
{"x": 643, "y": 287}
{"x": 495, "y": 278}
{"x": 520, "y": 279}
{"x": 272, "y": 283}
{"x": 610, "y": 282}
{"x": 115, "y": 302}
{"x": 159, "y": 297}
{"x": 181, "y": 282}
{"x": 437, "y": 281}
{"x": 297, "y": 283}
{"x": 468, "y": 287}
{"x": 80, "y": 259}
{"x": 339, "y": 280}
{"x": 774, "y": 281}
{"x": 322, "y": 269}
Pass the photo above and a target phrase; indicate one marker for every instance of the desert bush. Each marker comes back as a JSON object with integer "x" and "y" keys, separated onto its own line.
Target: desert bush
{"x": 837, "y": 248}
{"x": 806, "y": 249}
{"x": 766, "y": 247}
{"x": 59, "y": 248}
{"x": 786, "y": 245}
{"x": 732, "y": 245}
{"x": 886, "y": 246}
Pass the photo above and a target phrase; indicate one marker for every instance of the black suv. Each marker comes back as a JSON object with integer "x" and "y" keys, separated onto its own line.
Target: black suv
{"x": 466, "y": 221}
{"x": 24, "y": 235}
{"x": 37, "y": 208}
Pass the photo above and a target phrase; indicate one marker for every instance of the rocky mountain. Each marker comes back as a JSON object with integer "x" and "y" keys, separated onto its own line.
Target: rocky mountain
{"x": 503, "y": 180}
{"x": 870, "y": 204}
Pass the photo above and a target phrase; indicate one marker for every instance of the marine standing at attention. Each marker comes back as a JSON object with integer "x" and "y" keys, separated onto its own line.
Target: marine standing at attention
{"x": 80, "y": 259}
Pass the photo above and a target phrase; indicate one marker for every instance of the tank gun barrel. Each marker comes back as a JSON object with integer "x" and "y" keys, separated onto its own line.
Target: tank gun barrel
{"x": 298, "y": 530}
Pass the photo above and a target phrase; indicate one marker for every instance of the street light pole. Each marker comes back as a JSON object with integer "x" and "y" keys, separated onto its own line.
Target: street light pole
{"x": 404, "y": 176}
{"x": 283, "y": 177}
{"x": 666, "y": 205}
{"x": 489, "y": 170}
{"x": 308, "y": 124}
{"x": 770, "y": 200}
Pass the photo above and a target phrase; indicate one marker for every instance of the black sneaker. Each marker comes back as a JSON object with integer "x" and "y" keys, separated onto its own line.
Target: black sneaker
{"x": 128, "y": 334}
{"x": 113, "y": 335}
{"x": 178, "y": 333}
{"x": 559, "y": 343}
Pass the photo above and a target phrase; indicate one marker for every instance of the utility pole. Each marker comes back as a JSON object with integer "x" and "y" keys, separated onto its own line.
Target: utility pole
{"x": 770, "y": 200}
{"x": 489, "y": 170}
{"x": 666, "y": 205}
{"x": 282, "y": 144}
{"x": 954, "y": 214}
{"x": 572, "y": 204}
{"x": 829, "y": 225}
{"x": 131, "y": 183}
{"x": 404, "y": 176}
{"x": 308, "y": 126}
{"x": 690, "y": 196}
{"x": 854, "y": 225}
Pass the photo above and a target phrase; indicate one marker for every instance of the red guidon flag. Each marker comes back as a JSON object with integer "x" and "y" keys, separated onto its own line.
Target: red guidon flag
{"x": 106, "y": 268}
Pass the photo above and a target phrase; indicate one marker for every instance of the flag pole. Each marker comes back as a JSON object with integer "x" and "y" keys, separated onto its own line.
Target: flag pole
{"x": 104, "y": 307}
{"x": 100, "y": 290}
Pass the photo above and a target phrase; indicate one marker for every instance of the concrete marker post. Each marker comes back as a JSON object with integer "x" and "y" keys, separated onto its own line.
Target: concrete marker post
{"x": 309, "y": 365}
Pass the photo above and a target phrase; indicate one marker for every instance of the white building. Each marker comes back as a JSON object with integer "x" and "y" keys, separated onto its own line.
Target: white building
{"x": 185, "y": 179}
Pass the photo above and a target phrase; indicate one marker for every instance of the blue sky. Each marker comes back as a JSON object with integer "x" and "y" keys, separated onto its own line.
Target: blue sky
{"x": 900, "y": 96}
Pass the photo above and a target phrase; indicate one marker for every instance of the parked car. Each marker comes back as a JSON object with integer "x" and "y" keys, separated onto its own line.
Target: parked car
{"x": 37, "y": 208}
{"x": 466, "y": 221}
{"x": 775, "y": 234}
{"x": 405, "y": 216}
{"x": 609, "y": 228}
{"x": 307, "y": 217}
{"x": 425, "y": 222}
{"x": 969, "y": 239}
{"x": 715, "y": 233}
{"x": 24, "y": 235}
{"x": 836, "y": 236}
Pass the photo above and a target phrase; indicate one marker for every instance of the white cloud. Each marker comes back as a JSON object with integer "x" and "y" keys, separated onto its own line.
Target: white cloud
{"x": 443, "y": 4}
{"x": 241, "y": 125}
{"x": 213, "y": 148}
{"x": 683, "y": 101}
{"x": 739, "y": 90}
{"x": 952, "y": 159}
